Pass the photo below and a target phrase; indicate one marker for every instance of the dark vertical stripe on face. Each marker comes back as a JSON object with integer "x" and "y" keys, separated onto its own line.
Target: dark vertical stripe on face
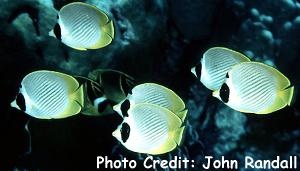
{"x": 20, "y": 100}
{"x": 57, "y": 31}
{"x": 198, "y": 70}
{"x": 125, "y": 107}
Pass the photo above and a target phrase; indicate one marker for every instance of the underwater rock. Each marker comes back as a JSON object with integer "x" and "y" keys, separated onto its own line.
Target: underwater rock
{"x": 155, "y": 41}
{"x": 194, "y": 19}
{"x": 231, "y": 126}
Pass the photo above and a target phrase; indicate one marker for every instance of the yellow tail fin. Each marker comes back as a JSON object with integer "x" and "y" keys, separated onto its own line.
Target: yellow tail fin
{"x": 109, "y": 29}
{"x": 182, "y": 114}
{"x": 107, "y": 35}
{"x": 287, "y": 95}
{"x": 178, "y": 134}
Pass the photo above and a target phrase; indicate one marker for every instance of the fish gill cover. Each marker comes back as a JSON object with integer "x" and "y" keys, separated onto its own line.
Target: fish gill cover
{"x": 155, "y": 41}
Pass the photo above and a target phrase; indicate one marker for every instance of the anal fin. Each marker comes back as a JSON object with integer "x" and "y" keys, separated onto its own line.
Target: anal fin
{"x": 168, "y": 146}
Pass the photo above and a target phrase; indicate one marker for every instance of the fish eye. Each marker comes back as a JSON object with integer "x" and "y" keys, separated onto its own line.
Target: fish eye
{"x": 125, "y": 131}
{"x": 57, "y": 31}
{"x": 57, "y": 16}
{"x": 227, "y": 76}
{"x": 198, "y": 70}
{"x": 20, "y": 100}
{"x": 224, "y": 93}
{"x": 124, "y": 107}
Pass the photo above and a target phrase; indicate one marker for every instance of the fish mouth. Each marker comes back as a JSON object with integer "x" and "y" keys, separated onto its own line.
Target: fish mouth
{"x": 117, "y": 109}
{"x": 14, "y": 104}
{"x": 51, "y": 33}
{"x": 116, "y": 134}
{"x": 215, "y": 94}
{"x": 193, "y": 70}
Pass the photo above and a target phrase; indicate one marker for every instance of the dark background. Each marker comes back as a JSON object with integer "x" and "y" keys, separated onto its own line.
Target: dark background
{"x": 156, "y": 41}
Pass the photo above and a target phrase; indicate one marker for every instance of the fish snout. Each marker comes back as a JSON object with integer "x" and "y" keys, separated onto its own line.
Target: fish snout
{"x": 51, "y": 33}
{"x": 14, "y": 104}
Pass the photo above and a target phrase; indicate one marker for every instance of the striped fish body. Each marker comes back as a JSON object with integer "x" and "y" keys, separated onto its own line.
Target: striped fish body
{"x": 83, "y": 26}
{"x": 152, "y": 129}
{"x": 216, "y": 62}
{"x": 254, "y": 87}
{"x": 155, "y": 94}
{"x": 49, "y": 94}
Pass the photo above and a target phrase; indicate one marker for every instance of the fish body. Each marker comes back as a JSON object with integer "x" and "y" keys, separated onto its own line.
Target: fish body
{"x": 153, "y": 93}
{"x": 49, "y": 95}
{"x": 82, "y": 26}
{"x": 214, "y": 65}
{"x": 254, "y": 87}
{"x": 150, "y": 129}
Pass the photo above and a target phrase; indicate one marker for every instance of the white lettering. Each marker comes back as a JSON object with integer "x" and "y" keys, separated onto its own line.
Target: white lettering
{"x": 208, "y": 162}
{"x": 249, "y": 162}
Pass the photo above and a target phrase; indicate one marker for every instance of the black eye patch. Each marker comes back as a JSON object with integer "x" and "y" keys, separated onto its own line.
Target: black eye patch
{"x": 20, "y": 100}
{"x": 57, "y": 31}
{"x": 227, "y": 76}
{"x": 224, "y": 93}
{"x": 124, "y": 107}
{"x": 198, "y": 70}
{"x": 125, "y": 131}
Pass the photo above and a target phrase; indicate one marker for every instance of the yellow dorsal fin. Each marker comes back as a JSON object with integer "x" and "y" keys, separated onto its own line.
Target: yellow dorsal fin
{"x": 239, "y": 56}
{"x": 282, "y": 81}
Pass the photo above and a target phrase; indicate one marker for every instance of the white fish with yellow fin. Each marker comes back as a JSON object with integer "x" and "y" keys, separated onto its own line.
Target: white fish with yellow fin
{"x": 49, "y": 95}
{"x": 214, "y": 65}
{"x": 82, "y": 26}
{"x": 150, "y": 129}
{"x": 154, "y": 94}
{"x": 253, "y": 87}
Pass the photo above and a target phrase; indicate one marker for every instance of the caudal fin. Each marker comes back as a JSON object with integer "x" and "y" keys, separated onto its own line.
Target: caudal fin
{"x": 109, "y": 29}
{"x": 178, "y": 134}
{"x": 287, "y": 95}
